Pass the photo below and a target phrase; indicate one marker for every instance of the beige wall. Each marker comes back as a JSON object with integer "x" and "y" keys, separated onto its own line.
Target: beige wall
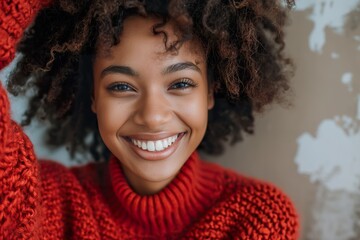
{"x": 312, "y": 149}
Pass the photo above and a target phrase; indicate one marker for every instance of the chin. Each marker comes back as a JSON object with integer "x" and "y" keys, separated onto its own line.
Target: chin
{"x": 164, "y": 174}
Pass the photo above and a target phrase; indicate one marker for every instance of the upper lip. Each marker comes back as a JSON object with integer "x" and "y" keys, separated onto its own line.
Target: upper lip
{"x": 152, "y": 136}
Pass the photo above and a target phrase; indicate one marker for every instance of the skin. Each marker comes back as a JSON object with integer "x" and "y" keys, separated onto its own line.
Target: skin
{"x": 143, "y": 92}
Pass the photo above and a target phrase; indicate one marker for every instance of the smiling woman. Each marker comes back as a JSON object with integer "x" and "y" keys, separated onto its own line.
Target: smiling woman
{"x": 150, "y": 82}
{"x": 159, "y": 98}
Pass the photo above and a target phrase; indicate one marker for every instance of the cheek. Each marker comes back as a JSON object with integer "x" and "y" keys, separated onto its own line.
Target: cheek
{"x": 111, "y": 115}
{"x": 195, "y": 113}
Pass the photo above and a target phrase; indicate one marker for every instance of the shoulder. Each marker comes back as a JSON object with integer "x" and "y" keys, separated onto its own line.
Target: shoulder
{"x": 52, "y": 171}
{"x": 253, "y": 209}
{"x": 66, "y": 198}
{"x": 56, "y": 181}
{"x": 266, "y": 209}
{"x": 62, "y": 187}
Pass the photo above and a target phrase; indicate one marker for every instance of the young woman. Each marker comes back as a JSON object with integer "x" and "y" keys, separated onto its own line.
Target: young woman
{"x": 141, "y": 85}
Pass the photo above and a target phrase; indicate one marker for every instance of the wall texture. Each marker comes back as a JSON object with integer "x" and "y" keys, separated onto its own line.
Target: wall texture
{"x": 310, "y": 149}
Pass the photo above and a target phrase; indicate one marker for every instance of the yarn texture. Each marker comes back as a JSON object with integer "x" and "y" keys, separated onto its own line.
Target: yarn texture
{"x": 42, "y": 199}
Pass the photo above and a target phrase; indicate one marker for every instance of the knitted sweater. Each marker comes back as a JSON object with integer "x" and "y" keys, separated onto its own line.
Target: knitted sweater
{"x": 45, "y": 200}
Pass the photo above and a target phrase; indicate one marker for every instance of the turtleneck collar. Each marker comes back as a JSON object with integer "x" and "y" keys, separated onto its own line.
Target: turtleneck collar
{"x": 172, "y": 209}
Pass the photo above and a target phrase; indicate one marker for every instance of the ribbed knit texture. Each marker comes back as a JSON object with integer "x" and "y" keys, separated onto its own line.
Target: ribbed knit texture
{"x": 45, "y": 200}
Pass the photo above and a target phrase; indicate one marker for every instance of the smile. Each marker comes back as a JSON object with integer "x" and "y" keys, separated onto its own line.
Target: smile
{"x": 155, "y": 145}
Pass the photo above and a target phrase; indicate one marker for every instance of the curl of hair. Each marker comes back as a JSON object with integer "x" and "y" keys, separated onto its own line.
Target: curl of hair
{"x": 243, "y": 41}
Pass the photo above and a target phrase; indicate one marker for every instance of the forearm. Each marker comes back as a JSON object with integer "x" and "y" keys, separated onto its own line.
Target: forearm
{"x": 19, "y": 190}
{"x": 15, "y": 17}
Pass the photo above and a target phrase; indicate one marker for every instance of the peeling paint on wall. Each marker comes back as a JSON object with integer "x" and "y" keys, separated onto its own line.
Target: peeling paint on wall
{"x": 358, "y": 108}
{"x": 331, "y": 156}
{"x": 335, "y": 216}
{"x": 357, "y": 38}
{"x": 332, "y": 159}
{"x": 347, "y": 80}
{"x": 325, "y": 13}
{"x": 334, "y": 55}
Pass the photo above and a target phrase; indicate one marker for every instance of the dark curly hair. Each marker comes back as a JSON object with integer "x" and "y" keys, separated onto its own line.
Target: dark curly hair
{"x": 243, "y": 41}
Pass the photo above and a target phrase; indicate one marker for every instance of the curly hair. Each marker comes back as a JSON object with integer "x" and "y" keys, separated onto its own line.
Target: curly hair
{"x": 243, "y": 42}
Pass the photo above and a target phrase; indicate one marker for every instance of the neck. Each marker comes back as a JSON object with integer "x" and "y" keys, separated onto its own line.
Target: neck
{"x": 181, "y": 200}
{"x": 144, "y": 187}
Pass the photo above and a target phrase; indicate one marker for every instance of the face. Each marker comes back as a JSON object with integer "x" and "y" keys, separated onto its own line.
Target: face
{"x": 151, "y": 105}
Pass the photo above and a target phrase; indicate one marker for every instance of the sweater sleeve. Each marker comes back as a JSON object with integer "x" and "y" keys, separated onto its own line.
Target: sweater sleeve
{"x": 15, "y": 17}
{"x": 19, "y": 189}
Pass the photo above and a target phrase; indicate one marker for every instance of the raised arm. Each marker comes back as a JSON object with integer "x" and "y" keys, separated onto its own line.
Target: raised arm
{"x": 15, "y": 17}
{"x": 18, "y": 166}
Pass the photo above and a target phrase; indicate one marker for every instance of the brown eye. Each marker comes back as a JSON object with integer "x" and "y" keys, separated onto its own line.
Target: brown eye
{"x": 183, "y": 84}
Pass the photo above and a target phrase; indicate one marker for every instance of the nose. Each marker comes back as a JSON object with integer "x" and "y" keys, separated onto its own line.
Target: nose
{"x": 153, "y": 111}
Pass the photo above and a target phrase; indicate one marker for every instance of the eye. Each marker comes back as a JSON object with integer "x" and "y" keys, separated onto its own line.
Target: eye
{"x": 183, "y": 83}
{"x": 120, "y": 87}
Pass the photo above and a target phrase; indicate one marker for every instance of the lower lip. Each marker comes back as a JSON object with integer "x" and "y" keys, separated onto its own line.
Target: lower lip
{"x": 157, "y": 155}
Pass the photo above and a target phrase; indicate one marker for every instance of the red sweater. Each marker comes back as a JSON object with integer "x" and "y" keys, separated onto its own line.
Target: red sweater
{"x": 45, "y": 200}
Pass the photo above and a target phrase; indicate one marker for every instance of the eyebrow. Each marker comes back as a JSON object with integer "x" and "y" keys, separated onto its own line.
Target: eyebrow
{"x": 118, "y": 69}
{"x": 130, "y": 72}
{"x": 181, "y": 66}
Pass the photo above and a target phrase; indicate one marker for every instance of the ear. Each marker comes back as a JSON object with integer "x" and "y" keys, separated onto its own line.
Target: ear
{"x": 211, "y": 100}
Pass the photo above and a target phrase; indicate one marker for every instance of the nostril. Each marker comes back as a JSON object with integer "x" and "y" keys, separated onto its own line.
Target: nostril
{"x": 152, "y": 116}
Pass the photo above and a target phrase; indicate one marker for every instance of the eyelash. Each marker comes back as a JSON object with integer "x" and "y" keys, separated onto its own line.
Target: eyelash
{"x": 184, "y": 81}
{"x": 113, "y": 87}
{"x": 187, "y": 81}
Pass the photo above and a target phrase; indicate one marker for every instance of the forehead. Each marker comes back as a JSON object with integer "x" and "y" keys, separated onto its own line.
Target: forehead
{"x": 138, "y": 37}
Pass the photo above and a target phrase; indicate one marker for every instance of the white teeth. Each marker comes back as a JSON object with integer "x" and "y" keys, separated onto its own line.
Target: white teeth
{"x": 151, "y": 146}
{"x": 165, "y": 143}
{"x": 157, "y": 145}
